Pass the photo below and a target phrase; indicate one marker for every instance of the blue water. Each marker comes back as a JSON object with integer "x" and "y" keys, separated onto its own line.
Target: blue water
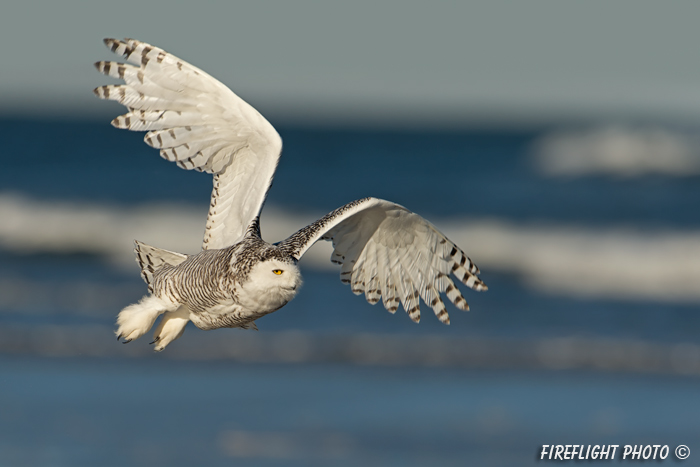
{"x": 473, "y": 173}
{"x": 155, "y": 411}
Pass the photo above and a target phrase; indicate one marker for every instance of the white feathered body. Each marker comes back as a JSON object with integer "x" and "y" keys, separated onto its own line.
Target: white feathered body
{"x": 219, "y": 289}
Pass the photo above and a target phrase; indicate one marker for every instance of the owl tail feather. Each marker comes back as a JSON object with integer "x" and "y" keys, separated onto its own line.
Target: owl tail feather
{"x": 150, "y": 259}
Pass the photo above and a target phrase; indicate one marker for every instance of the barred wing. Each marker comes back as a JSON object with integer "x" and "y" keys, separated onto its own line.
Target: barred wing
{"x": 200, "y": 124}
{"x": 388, "y": 252}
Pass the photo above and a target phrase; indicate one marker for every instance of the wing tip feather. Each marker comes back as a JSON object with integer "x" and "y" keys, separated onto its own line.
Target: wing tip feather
{"x": 117, "y": 122}
{"x": 113, "y": 44}
{"x": 101, "y": 92}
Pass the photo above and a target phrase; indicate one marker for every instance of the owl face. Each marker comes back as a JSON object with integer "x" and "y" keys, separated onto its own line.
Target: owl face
{"x": 277, "y": 274}
{"x": 271, "y": 284}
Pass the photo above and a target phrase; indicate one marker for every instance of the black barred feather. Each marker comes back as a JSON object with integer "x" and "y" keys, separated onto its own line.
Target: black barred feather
{"x": 391, "y": 254}
{"x": 150, "y": 259}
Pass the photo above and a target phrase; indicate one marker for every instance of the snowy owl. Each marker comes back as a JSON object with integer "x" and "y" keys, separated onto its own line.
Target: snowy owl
{"x": 385, "y": 251}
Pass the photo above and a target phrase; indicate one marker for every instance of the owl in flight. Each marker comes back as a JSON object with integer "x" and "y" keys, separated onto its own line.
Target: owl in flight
{"x": 384, "y": 250}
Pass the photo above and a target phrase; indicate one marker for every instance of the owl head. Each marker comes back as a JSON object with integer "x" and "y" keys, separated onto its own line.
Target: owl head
{"x": 270, "y": 284}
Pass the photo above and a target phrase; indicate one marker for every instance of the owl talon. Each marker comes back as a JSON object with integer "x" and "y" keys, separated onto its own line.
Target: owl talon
{"x": 126, "y": 341}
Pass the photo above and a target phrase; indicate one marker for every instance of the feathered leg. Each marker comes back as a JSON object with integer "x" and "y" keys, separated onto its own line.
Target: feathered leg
{"x": 135, "y": 320}
{"x": 170, "y": 327}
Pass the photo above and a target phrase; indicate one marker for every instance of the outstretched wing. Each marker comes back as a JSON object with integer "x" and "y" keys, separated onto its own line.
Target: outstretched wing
{"x": 388, "y": 252}
{"x": 200, "y": 124}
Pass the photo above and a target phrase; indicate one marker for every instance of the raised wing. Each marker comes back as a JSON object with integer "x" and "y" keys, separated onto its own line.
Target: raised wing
{"x": 200, "y": 124}
{"x": 388, "y": 252}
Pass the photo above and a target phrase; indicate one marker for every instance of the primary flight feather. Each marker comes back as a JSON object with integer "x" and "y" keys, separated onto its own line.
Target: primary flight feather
{"x": 385, "y": 251}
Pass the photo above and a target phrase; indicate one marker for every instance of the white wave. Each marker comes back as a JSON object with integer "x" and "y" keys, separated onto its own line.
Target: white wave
{"x": 621, "y": 263}
{"x": 31, "y": 226}
{"x": 618, "y": 150}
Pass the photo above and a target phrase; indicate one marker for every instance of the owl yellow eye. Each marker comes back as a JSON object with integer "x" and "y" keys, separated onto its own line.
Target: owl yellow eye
{"x": 277, "y": 271}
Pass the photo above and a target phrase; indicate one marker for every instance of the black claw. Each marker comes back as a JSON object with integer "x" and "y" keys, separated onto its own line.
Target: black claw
{"x": 119, "y": 336}
{"x": 126, "y": 341}
{"x": 155, "y": 340}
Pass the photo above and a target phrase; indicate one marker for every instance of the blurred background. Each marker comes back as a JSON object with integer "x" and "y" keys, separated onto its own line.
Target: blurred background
{"x": 556, "y": 143}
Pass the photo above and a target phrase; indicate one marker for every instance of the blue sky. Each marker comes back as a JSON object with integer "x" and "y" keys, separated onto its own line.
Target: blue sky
{"x": 376, "y": 62}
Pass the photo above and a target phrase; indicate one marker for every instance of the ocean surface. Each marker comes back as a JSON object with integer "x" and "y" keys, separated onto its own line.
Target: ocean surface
{"x": 588, "y": 333}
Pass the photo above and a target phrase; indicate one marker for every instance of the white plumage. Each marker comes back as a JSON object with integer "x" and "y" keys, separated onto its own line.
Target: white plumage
{"x": 385, "y": 251}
